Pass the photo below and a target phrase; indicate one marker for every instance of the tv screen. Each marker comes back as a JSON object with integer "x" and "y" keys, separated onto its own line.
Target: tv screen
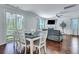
{"x": 51, "y": 21}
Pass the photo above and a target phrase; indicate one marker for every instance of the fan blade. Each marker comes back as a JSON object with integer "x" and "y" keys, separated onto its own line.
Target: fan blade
{"x": 70, "y": 6}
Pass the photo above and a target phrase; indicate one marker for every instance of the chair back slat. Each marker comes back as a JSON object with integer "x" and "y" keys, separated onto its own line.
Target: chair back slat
{"x": 21, "y": 36}
{"x": 43, "y": 36}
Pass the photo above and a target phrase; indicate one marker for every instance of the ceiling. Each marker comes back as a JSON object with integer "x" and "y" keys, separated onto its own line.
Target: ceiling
{"x": 43, "y": 10}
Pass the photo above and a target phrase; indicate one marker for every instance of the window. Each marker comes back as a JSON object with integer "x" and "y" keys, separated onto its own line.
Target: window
{"x": 10, "y": 21}
{"x": 74, "y": 25}
{"x": 41, "y": 24}
{"x": 19, "y": 22}
{"x": 13, "y": 23}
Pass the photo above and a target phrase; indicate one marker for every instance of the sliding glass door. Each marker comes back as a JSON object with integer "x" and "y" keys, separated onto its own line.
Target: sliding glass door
{"x": 19, "y": 22}
{"x": 13, "y": 23}
{"x": 10, "y": 26}
{"x": 74, "y": 25}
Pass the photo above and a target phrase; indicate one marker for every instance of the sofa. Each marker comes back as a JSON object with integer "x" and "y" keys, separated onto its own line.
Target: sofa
{"x": 54, "y": 35}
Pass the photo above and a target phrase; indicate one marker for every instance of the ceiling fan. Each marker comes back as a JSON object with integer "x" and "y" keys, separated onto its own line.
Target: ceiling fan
{"x": 59, "y": 15}
{"x": 65, "y": 8}
{"x": 70, "y": 6}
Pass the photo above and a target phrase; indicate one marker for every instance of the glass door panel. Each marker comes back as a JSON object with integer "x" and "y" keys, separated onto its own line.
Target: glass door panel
{"x": 13, "y": 23}
{"x": 74, "y": 25}
{"x": 10, "y": 26}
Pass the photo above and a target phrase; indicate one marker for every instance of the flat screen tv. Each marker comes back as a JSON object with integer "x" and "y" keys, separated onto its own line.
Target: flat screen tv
{"x": 51, "y": 21}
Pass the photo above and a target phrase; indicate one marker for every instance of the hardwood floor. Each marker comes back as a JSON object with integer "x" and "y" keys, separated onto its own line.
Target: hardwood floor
{"x": 53, "y": 47}
{"x": 68, "y": 46}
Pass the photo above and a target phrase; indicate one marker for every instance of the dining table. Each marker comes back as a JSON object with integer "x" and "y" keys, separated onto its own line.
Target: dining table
{"x": 31, "y": 38}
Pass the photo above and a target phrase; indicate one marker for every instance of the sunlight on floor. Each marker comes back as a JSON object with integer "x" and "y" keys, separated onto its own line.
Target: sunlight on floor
{"x": 74, "y": 45}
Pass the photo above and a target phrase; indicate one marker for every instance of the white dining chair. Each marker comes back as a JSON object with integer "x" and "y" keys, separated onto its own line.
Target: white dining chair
{"x": 21, "y": 41}
{"x": 42, "y": 41}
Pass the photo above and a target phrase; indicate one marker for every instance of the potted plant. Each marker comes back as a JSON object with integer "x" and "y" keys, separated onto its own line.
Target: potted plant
{"x": 63, "y": 25}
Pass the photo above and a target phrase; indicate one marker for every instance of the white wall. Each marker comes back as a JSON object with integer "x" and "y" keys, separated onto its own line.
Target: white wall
{"x": 30, "y": 20}
{"x": 67, "y": 19}
{"x": 2, "y": 27}
{"x": 68, "y": 29}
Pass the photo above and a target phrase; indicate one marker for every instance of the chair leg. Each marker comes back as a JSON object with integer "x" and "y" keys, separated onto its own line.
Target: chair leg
{"x": 39, "y": 51}
{"x": 36, "y": 50}
{"x": 20, "y": 51}
{"x": 20, "y": 48}
{"x": 45, "y": 49}
{"x": 25, "y": 50}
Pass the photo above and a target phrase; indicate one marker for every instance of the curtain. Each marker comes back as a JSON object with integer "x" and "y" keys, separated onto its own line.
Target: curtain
{"x": 74, "y": 25}
{"x": 41, "y": 23}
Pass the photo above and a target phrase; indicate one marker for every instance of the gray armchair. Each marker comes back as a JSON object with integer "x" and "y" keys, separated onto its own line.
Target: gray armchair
{"x": 54, "y": 35}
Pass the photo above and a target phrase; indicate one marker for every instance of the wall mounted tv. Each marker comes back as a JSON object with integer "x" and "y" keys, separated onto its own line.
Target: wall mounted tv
{"x": 51, "y": 22}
